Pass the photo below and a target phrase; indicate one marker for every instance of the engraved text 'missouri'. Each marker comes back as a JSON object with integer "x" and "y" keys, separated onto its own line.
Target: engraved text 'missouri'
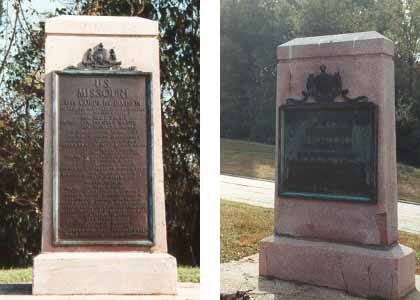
{"x": 103, "y": 193}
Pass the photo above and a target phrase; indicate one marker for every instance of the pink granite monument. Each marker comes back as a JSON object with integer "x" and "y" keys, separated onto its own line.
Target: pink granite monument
{"x": 336, "y": 184}
{"x": 104, "y": 229}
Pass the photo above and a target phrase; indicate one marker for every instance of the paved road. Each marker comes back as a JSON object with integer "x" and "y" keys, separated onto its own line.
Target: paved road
{"x": 261, "y": 193}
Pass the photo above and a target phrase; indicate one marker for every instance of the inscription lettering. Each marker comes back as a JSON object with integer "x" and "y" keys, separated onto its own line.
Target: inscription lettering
{"x": 103, "y": 158}
{"x": 328, "y": 151}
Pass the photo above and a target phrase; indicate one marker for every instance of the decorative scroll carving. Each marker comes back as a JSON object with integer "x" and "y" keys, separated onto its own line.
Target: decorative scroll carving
{"x": 99, "y": 58}
{"x": 324, "y": 88}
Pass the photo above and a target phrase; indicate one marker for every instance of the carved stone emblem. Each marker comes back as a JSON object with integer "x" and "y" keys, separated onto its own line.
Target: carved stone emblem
{"x": 99, "y": 58}
{"x": 324, "y": 88}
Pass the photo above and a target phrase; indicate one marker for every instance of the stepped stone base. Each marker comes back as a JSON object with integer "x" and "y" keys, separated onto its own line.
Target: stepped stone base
{"x": 106, "y": 273}
{"x": 371, "y": 272}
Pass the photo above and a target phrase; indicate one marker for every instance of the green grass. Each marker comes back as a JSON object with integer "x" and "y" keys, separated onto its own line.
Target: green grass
{"x": 408, "y": 183}
{"x": 257, "y": 160}
{"x": 188, "y": 274}
{"x": 243, "y": 226}
{"x": 247, "y": 159}
{"x": 412, "y": 241}
{"x": 15, "y": 275}
{"x": 185, "y": 274}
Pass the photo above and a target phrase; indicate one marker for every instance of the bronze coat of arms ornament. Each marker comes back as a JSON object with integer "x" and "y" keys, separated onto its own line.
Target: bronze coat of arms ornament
{"x": 100, "y": 58}
{"x": 324, "y": 88}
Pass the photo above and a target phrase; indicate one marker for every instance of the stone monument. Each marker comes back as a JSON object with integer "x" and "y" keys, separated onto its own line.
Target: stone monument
{"x": 104, "y": 229}
{"x": 336, "y": 185}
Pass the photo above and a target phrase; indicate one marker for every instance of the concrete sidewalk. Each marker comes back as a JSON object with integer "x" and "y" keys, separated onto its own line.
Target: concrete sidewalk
{"x": 243, "y": 276}
{"x": 261, "y": 193}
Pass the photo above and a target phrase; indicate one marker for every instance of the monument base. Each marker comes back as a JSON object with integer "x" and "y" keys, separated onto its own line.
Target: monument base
{"x": 112, "y": 273}
{"x": 387, "y": 273}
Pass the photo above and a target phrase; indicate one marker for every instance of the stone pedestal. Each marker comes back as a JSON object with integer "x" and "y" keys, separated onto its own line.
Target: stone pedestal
{"x": 104, "y": 273}
{"x": 348, "y": 245}
{"x": 104, "y": 265}
{"x": 374, "y": 272}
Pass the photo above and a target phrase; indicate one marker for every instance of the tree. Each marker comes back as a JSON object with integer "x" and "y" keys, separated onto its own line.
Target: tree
{"x": 21, "y": 140}
{"x": 324, "y": 17}
{"x": 180, "y": 66}
{"x": 401, "y": 22}
{"x": 398, "y": 20}
{"x": 250, "y": 32}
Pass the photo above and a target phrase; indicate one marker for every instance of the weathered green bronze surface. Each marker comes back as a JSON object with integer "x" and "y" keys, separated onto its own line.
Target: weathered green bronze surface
{"x": 328, "y": 151}
{"x": 102, "y": 158}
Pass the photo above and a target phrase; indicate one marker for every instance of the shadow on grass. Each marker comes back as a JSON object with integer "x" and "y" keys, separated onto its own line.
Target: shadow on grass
{"x": 15, "y": 289}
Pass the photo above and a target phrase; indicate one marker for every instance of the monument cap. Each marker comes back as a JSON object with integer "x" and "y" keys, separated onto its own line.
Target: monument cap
{"x": 359, "y": 43}
{"x": 94, "y": 25}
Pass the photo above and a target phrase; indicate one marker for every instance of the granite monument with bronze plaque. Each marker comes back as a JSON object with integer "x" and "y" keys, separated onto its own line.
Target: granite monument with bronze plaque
{"x": 104, "y": 226}
{"x": 336, "y": 189}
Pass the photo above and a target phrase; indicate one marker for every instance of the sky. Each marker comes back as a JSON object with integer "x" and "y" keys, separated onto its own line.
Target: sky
{"x": 45, "y": 6}
{"x": 41, "y": 6}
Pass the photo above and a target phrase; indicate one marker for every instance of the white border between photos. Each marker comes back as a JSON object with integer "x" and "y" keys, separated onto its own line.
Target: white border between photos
{"x": 210, "y": 149}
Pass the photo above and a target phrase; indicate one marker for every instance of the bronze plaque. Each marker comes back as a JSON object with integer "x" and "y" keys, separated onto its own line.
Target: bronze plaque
{"x": 102, "y": 149}
{"x": 328, "y": 151}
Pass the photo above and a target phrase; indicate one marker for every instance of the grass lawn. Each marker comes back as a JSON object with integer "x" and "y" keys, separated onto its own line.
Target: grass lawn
{"x": 185, "y": 274}
{"x": 408, "y": 183}
{"x": 257, "y": 160}
{"x": 247, "y": 159}
{"x": 188, "y": 274}
{"x": 243, "y": 226}
{"x": 15, "y": 275}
